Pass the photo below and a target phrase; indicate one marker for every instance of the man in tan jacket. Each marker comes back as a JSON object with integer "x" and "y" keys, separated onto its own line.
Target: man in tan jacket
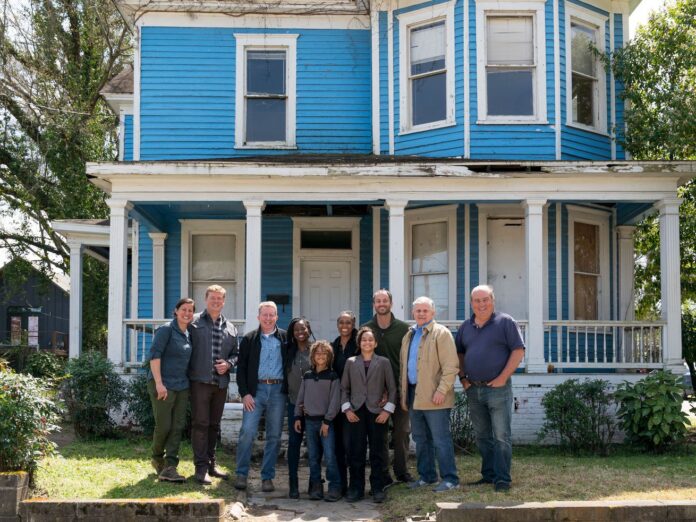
{"x": 429, "y": 366}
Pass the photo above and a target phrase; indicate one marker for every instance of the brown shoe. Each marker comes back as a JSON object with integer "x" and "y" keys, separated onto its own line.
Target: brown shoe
{"x": 202, "y": 477}
{"x": 240, "y": 482}
{"x": 267, "y": 486}
{"x": 214, "y": 471}
{"x": 157, "y": 464}
{"x": 170, "y": 474}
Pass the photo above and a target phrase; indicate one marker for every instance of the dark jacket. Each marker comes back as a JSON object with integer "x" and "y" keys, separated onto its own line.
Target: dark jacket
{"x": 249, "y": 356}
{"x": 201, "y": 365}
{"x": 341, "y": 355}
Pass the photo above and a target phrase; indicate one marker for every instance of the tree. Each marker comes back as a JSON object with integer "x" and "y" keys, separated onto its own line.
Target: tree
{"x": 56, "y": 55}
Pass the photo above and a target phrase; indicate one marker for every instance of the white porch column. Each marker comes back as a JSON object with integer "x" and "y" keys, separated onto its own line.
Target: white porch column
{"x": 397, "y": 276}
{"x": 534, "y": 248}
{"x": 75, "y": 331}
{"x": 670, "y": 281}
{"x": 626, "y": 272}
{"x": 118, "y": 265}
{"x": 254, "y": 209}
{"x": 158, "y": 239}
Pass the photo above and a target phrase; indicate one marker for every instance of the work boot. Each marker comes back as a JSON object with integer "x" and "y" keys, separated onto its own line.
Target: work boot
{"x": 294, "y": 490}
{"x": 201, "y": 476}
{"x": 333, "y": 495}
{"x": 317, "y": 492}
{"x": 267, "y": 486}
{"x": 240, "y": 482}
{"x": 214, "y": 471}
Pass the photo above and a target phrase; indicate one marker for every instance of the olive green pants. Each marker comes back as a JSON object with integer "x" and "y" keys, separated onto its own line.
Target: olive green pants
{"x": 170, "y": 417}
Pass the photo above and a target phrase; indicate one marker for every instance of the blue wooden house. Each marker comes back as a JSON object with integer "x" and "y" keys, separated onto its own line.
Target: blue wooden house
{"x": 312, "y": 152}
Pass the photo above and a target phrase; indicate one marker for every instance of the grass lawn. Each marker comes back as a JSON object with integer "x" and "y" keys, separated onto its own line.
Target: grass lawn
{"x": 121, "y": 469}
{"x": 543, "y": 474}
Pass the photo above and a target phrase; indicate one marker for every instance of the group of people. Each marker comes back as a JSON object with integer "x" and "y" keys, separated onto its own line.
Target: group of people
{"x": 341, "y": 397}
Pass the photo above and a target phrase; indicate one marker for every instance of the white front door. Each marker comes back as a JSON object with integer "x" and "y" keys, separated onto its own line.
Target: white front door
{"x": 506, "y": 265}
{"x": 325, "y": 292}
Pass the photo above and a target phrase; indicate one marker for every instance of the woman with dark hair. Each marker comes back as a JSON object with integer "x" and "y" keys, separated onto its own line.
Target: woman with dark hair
{"x": 168, "y": 386}
{"x": 297, "y": 364}
{"x": 344, "y": 347}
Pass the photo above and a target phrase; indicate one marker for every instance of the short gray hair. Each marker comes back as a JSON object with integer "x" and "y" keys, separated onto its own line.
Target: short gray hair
{"x": 269, "y": 304}
{"x": 424, "y": 300}
{"x": 486, "y": 288}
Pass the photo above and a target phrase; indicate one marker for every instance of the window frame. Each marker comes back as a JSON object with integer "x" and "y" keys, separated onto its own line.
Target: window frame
{"x": 535, "y": 9}
{"x": 600, "y": 219}
{"x": 265, "y": 42}
{"x": 590, "y": 20}
{"x": 407, "y": 22}
{"x": 422, "y": 216}
{"x": 236, "y": 227}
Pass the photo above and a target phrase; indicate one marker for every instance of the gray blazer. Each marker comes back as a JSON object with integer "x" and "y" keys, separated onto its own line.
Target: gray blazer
{"x": 358, "y": 389}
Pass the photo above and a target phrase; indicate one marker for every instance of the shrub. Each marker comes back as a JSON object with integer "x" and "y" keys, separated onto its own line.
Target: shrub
{"x": 651, "y": 411}
{"x": 93, "y": 391}
{"x": 460, "y": 424}
{"x": 139, "y": 405}
{"x": 579, "y": 415}
{"x": 28, "y": 414}
{"x": 45, "y": 364}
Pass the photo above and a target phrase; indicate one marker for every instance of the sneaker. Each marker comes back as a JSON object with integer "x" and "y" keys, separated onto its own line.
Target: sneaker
{"x": 419, "y": 484}
{"x": 445, "y": 486}
{"x": 240, "y": 482}
{"x": 267, "y": 486}
{"x": 405, "y": 478}
{"x": 170, "y": 474}
{"x": 379, "y": 496}
{"x": 479, "y": 482}
{"x": 157, "y": 464}
{"x": 502, "y": 487}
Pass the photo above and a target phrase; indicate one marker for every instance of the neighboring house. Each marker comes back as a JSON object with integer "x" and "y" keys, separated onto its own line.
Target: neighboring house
{"x": 311, "y": 152}
{"x": 34, "y": 310}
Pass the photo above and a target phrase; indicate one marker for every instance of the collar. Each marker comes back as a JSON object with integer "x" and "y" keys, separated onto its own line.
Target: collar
{"x": 391, "y": 322}
{"x": 274, "y": 333}
{"x": 490, "y": 319}
{"x": 205, "y": 315}
{"x": 427, "y": 326}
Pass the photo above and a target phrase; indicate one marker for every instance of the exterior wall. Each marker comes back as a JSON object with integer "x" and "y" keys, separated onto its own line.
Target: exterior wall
{"x": 276, "y": 262}
{"x": 128, "y": 137}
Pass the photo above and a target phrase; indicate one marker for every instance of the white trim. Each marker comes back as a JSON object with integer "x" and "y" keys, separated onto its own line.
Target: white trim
{"x": 467, "y": 259}
{"x": 486, "y": 210}
{"x": 121, "y": 134}
{"x": 376, "y": 248}
{"x": 589, "y": 19}
{"x": 527, "y": 8}
{"x": 374, "y": 33}
{"x": 136, "y": 95}
{"x": 236, "y": 227}
{"x": 254, "y": 21}
{"x": 284, "y": 42}
{"x": 557, "y": 80}
{"x": 390, "y": 72}
{"x": 408, "y": 21}
{"x": 158, "y": 274}
{"x": 312, "y": 254}
{"x": 615, "y": 263}
{"x": 612, "y": 94}
{"x": 75, "y": 299}
{"x": 135, "y": 267}
{"x": 467, "y": 89}
{"x": 600, "y": 219}
{"x": 545, "y": 257}
{"x": 419, "y": 216}
{"x": 559, "y": 261}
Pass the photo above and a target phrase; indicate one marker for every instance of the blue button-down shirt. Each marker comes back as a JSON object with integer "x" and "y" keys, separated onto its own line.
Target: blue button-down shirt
{"x": 413, "y": 353}
{"x": 271, "y": 359}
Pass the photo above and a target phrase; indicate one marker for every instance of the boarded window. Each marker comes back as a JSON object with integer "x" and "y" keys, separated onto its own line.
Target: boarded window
{"x": 510, "y": 65}
{"x": 587, "y": 271}
{"x": 213, "y": 261}
{"x": 266, "y": 96}
{"x": 430, "y": 264}
{"x": 428, "y": 73}
{"x": 584, "y": 74}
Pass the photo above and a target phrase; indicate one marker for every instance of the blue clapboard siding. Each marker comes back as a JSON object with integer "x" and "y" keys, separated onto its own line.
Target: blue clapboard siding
{"x": 384, "y": 250}
{"x": 276, "y": 262}
{"x": 619, "y": 127}
{"x": 364, "y": 311}
{"x": 188, "y": 92}
{"x": 145, "y": 284}
{"x": 172, "y": 264}
{"x": 383, "y": 83}
{"x": 473, "y": 246}
{"x": 462, "y": 252}
{"x": 128, "y": 137}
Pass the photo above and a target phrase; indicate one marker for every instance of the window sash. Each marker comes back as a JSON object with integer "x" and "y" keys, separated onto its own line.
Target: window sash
{"x": 259, "y": 129}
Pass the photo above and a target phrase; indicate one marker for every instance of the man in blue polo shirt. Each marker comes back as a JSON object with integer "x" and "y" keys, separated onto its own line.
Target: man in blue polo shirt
{"x": 490, "y": 348}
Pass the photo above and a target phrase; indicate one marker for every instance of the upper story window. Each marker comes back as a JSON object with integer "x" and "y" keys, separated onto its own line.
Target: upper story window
{"x": 511, "y": 63}
{"x": 426, "y": 81}
{"x": 585, "y": 75}
{"x": 265, "y": 91}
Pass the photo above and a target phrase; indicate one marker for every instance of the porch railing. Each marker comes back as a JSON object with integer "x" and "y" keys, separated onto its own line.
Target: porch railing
{"x": 454, "y": 326}
{"x": 603, "y": 344}
{"x": 139, "y": 334}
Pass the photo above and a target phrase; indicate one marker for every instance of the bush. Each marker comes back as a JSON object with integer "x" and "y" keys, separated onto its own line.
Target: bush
{"x": 139, "y": 405}
{"x": 93, "y": 391}
{"x": 651, "y": 411}
{"x": 578, "y": 415}
{"x": 28, "y": 414}
{"x": 45, "y": 364}
{"x": 460, "y": 424}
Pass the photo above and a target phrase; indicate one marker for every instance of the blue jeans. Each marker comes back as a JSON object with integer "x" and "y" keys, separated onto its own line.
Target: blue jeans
{"x": 269, "y": 400}
{"x": 316, "y": 445}
{"x": 430, "y": 430}
{"x": 490, "y": 410}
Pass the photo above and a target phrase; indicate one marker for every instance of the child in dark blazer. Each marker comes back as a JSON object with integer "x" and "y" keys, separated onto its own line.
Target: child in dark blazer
{"x": 367, "y": 379}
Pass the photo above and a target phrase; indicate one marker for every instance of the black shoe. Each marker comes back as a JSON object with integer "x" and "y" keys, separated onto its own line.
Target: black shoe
{"x": 479, "y": 482}
{"x": 354, "y": 496}
{"x": 379, "y": 496}
{"x": 240, "y": 482}
{"x": 502, "y": 487}
{"x": 405, "y": 477}
{"x": 294, "y": 490}
{"x": 388, "y": 481}
{"x": 317, "y": 492}
{"x": 201, "y": 476}
{"x": 333, "y": 495}
{"x": 214, "y": 471}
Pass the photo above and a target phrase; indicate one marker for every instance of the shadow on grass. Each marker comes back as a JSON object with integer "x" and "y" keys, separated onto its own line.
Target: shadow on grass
{"x": 151, "y": 488}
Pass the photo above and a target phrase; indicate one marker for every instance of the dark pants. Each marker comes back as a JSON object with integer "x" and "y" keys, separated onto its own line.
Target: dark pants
{"x": 207, "y": 405}
{"x": 294, "y": 442}
{"x": 401, "y": 439}
{"x": 341, "y": 443}
{"x": 367, "y": 431}
{"x": 170, "y": 417}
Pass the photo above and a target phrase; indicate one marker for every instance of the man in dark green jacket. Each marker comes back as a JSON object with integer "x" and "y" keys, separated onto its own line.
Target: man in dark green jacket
{"x": 389, "y": 332}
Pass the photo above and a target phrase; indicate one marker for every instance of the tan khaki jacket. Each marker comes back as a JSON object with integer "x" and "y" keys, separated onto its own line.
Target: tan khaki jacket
{"x": 438, "y": 367}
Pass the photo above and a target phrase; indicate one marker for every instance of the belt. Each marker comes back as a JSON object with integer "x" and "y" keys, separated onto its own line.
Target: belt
{"x": 270, "y": 381}
{"x": 483, "y": 384}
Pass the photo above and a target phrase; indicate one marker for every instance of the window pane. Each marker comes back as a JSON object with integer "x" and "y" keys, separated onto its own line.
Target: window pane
{"x": 265, "y": 72}
{"x": 334, "y": 239}
{"x": 429, "y": 248}
{"x": 436, "y": 287}
{"x": 510, "y": 40}
{"x": 33, "y": 330}
{"x": 583, "y": 100}
{"x": 213, "y": 257}
{"x": 510, "y": 93}
{"x": 429, "y": 98}
{"x": 586, "y": 307}
{"x": 586, "y": 248}
{"x": 265, "y": 119}
{"x": 428, "y": 48}
{"x": 582, "y": 58}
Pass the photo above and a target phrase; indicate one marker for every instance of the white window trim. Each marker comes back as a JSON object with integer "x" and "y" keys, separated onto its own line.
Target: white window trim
{"x": 536, "y": 10}
{"x": 281, "y": 42}
{"x": 599, "y": 218}
{"x": 408, "y": 21}
{"x": 420, "y": 216}
{"x": 575, "y": 13}
{"x": 237, "y": 227}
